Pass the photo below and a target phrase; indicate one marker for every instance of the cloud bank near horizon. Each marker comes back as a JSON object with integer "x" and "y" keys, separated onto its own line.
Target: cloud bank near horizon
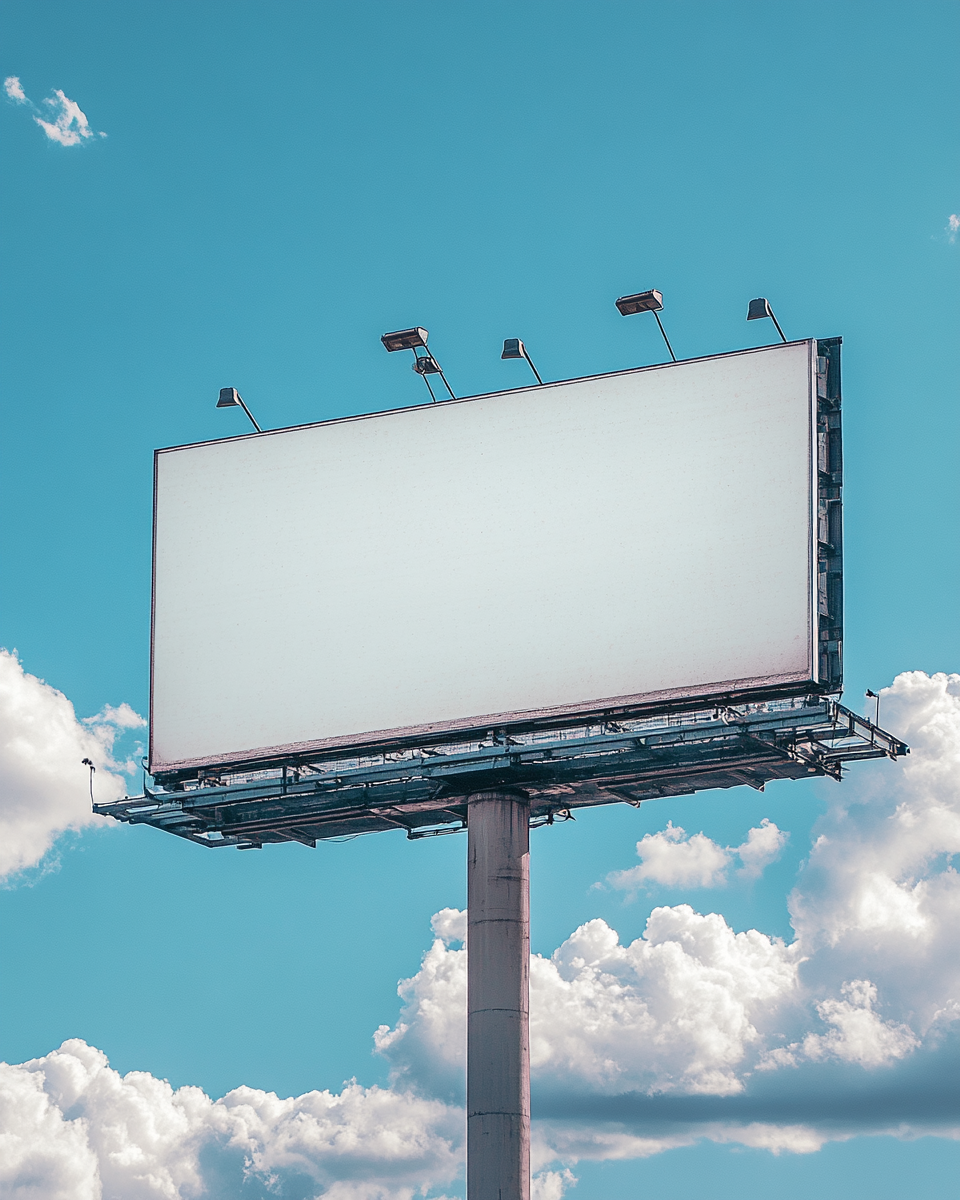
{"x": 691, "y": 1031}
{"x": 68, "y": 124}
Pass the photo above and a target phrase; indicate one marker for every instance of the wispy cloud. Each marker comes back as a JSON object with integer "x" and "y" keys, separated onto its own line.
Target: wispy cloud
{"x": 953, "y": 226}
{"x": 60, "y": 118}
{"x": 14, "y": 89}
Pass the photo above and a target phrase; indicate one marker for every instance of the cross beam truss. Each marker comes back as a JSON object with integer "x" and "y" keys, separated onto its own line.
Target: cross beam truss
{"x": 423, "y": 790}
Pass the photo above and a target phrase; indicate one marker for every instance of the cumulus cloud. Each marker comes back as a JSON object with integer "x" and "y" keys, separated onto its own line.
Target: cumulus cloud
{"x": 953, "y": 226}
{"x": 879, "y": 896}
{"x": 44, "y": 789}
{"x": 674, "y": 1009}
{"x": 75, "y": 1129}
{"x": 60, "y": 118}
{"x": 672, "y": 859}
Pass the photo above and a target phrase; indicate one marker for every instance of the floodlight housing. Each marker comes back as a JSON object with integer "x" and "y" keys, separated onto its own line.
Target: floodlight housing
{"x": 759, "y": 308}
{"x": 231, "y": 398}
{"x": 651, "y": 301}
{"x": 405, "y": 339}
{"x": 514, "y": 348}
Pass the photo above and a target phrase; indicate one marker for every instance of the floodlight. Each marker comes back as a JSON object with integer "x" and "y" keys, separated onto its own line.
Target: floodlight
{"x": 424, "y": 364}
{"x": 651, "y": 301}
{"x": 405, "y": 339}
{"x": 514, "y": 348}
{"x": 230, "y": 398}
{"x": 760, "y": 308}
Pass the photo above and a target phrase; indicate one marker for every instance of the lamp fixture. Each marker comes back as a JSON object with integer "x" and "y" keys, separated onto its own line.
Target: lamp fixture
{"x": 231, "y": 398}
{"x": 424, "y": 363}
{"x": 760, "y": 308}
{"x": 514, "y": 348}
{"x": 651, "y": 301}
{"x": 405, "y": 339}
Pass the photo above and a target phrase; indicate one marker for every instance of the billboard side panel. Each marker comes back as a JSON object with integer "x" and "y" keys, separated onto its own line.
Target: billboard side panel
{"x": 604, "y": 541}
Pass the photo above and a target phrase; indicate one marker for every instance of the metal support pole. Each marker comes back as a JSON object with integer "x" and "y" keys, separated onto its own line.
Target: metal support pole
{"x": 498, "y": 996}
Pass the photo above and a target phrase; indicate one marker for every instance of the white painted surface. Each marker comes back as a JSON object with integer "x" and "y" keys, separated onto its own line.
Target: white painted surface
{"x": 607, "y": 537}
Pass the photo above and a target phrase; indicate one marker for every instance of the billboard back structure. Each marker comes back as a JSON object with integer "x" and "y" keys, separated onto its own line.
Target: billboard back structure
{"x": 599, "y": 547}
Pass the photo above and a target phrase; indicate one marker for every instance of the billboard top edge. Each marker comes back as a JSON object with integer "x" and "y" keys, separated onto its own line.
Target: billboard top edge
{"x": 383, "y": 412}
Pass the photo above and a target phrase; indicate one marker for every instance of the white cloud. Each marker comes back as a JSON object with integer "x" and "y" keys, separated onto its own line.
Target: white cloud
{"x": 44, "y": 788}
{"x": 672, "y": 859}
{"x": 68, "y": 124}
{"x": 858, "y": 1034}
{"x": 879, "y": 897}
{"x": 953, "y": 226}
{"x": 763, "y": 846}
{"x": 75, "y": 1129}
{"x": 14, "y": 89}
{"x": 673, "y": 1010}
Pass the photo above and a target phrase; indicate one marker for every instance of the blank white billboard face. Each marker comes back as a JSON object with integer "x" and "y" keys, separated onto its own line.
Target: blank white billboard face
{"x": 610, "y": 540}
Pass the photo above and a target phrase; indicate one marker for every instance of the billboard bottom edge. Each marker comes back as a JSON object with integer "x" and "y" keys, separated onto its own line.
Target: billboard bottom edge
{"x": 644, "y": 704}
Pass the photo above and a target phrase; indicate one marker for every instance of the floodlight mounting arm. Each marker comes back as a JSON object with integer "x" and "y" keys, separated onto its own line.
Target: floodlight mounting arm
{"x": 649, "y": 301}
{"x": 249, "y": 414}
{"x": 665, "y": 338}
{"x": 532, "y": 367}
{"x": 425, "y": 364}
{"x": 783, "y": 336}
{"x": 231, "y": 398}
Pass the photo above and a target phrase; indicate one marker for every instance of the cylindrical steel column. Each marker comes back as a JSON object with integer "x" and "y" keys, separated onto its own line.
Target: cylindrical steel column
{"x": 498, "y": 996}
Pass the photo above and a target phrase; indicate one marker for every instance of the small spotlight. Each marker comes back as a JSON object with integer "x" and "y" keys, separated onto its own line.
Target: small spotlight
{"x": 760, "y": 308}
{"x": 651, "y": 301}
{"x": 424, "y": 364}
{"x": 639, "y": 302}
{"x": 405, "y": 339}
{"x": 514, "y": 348}
{"x": 231, "y": 398}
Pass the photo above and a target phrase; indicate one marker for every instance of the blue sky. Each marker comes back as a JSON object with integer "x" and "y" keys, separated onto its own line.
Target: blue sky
{"x": 278, "y": 185}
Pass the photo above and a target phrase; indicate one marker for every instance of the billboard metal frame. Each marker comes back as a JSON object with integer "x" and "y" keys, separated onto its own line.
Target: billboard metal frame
{"x": 824, "y": 675}
{"x": 423, "y": 790}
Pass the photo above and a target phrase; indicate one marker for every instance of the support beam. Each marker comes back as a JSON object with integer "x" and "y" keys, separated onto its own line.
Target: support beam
{"x": 498, "y": 996}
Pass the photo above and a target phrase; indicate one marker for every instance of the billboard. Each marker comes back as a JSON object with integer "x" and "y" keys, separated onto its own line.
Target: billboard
{"x": 597, "y": 545}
